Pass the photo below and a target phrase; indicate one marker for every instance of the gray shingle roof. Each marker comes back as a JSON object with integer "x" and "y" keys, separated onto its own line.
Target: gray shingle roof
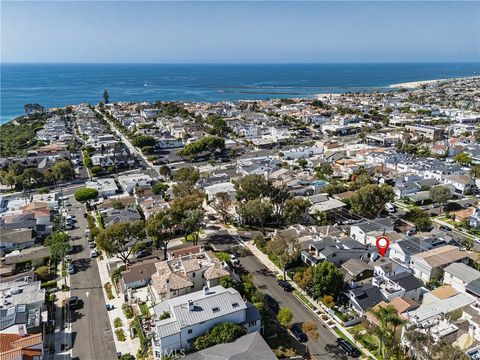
{"x": 248, "y": 347}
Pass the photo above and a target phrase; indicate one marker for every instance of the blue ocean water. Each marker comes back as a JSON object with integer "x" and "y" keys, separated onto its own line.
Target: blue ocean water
{"x": 54, "y": 85}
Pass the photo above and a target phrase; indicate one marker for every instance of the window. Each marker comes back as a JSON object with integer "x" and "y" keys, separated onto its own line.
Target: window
{"x": 190, "y": 331}
{"x": 252, "y": 323}
{"x": 216, "y": 309}
{"x": 193, "y": 274}
{"x": 191, "y": 287}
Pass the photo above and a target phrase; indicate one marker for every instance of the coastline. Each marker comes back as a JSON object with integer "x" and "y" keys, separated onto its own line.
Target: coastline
{"x": 417, "y": 84}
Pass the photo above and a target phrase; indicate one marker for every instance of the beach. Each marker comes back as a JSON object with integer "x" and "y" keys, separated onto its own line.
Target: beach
{"x": 417, "y": 84}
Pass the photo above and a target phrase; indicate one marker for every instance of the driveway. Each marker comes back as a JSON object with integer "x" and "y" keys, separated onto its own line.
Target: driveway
{"x": 91, "y": 332}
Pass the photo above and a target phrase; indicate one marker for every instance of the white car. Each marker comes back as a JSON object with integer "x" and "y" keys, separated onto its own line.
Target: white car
{"x": 93, "y": 253}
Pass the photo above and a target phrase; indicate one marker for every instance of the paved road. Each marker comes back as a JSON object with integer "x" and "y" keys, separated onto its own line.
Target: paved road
{"x": 324, "y": 347}
{"x": 92, "y": 335}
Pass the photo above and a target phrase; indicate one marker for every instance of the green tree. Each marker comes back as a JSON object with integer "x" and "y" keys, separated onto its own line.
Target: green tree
{"x": 143, "y": 140}
{"x": 388, "y": 322}
{"x": 323, "y": 171}
{"x": 219, "y": 334}
{"x": 120, "y": 239}
{"x": 252, "y": 187}
{"x": 59, "y": 246}
{"x": 218, "y": 126}
{"x": 256, "y": 212}
{"x": 189, "y": 175}
{"x": 205, "y": 144}
{"x": 193, "y": 223}
{"x": 423, "y": 223}
{"x": 296, "y": 210}
{"x": 463, "y": 158}
{"x": 32, "y": 177}
{"x": 86, "y": 194}
{"x": 159, "y": 228}
{"x": 106, "y": 96}
{"x": 371, "y": 199}
{"x": 285, "y": 317}
{"x": 159, "y": 188}
{"x": 279, "y": 195}
{"x": 63, "y": 170}
{"x": 165, "y": 171}
{"x": 43, "y": 273}
{"x": 284, "y": 249}
{"x": 327, "y": 280}
{"x": 440, "y": 194}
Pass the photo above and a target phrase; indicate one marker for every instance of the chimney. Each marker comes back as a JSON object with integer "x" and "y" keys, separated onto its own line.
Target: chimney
{"x": 21, "y": 331}
{"x": 205, "y": 290}
{"x": 190, "y": 305}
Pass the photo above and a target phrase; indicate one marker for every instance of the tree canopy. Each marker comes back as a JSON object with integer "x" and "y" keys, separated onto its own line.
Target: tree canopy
{"x": 121, "y": 238}
{"x": 371, "y": 199}
{"x": 256, "y": 212}
{"x": 327, "y": 280}
{"x": 220, "y": 334}
{"x": 296, "y": 210}
{"x": 86, "y": 194}
{"x": 252, "y": 187}
{"x": 59, "y": 245}
{"x": 143, "y": 140}
{"x": 205, "y": 144}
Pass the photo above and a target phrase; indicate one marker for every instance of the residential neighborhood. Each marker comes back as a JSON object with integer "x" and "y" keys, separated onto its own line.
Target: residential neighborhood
{"x": 245, "y": 229}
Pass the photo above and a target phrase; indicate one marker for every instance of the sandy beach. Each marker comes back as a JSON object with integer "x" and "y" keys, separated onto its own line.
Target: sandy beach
{"x": 417, "y": 84}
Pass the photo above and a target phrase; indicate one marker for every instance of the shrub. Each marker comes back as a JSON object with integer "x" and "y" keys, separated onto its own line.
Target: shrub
{"x": 165, "y": 315}
{"x": 127, "y": 310}
{"x": 117, "y": 322}
{"x": 120, "y": 335}
{"x": 220, "y": 334}
{"x": 86, "y": 194}
{"x": 43, "y": 273}
{"x": 48, "y": 284}
{"x": 108, "y": 289}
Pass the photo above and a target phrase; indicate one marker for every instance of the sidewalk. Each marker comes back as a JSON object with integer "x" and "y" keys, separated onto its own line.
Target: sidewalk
{"x": 319, "y": 311}
{"x": 129, "y": 345}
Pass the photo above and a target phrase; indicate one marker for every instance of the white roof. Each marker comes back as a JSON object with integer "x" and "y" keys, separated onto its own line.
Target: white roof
{"x": 436, "y": 308}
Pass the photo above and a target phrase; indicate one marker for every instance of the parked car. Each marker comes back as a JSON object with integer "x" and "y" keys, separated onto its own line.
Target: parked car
{"x": 73, "y": 302}
{"x": 92, "y": 245}
{"x": 71, "y": 269}
{"x": 298, "y": 333}
{"x": 390, "y": 208}
{"x": 445, "y": 228}
{"x": 411, "y": 232}
{"x": 233, "y": 259}
{"x": 272, "y": 303}
{"x": 109, "y": 307}
{"x": 93, "y": 253}
{"x": 142, "y": 253}
{"x": 348, "y": 348}
{"x": 284, "y": 285}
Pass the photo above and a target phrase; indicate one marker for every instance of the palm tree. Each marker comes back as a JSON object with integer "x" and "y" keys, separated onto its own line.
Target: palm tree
{"x": 389, "y": 321}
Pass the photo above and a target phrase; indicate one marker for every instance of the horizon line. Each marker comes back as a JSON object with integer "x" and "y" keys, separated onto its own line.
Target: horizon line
{"x": 239, "y": 63}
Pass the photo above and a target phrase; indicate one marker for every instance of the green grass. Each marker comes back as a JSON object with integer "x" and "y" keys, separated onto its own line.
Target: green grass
{"x": 145, "y": 311}
{"x": 340, "y": 334}
{"x": 304, "y": 299}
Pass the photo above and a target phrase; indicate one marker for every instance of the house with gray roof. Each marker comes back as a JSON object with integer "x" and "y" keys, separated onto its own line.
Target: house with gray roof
{"x": 192, "y": 315}
{"x": 459, "y": 275}
{"x": 248, "y": 347}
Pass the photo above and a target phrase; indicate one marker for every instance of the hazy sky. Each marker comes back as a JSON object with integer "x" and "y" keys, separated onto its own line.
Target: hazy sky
{"x": 239, "y": 32}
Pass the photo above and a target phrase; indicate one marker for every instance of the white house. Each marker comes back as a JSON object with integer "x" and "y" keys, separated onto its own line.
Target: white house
{"x": 192, "y": 315}
{"x": 227, "y": 187}
{"x": 130, "y": 181}
{"x": 105, "y": 187}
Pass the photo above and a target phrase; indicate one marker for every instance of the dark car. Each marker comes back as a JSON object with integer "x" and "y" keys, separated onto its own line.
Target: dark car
{"x": 284, "y": 285}
{"x": 109, "y": 307}
{"x": 73, "y": 302}
{"x": 445, "y": 228}
{"x": 348, "y": 348}
{"x": 142, "y": 253}
{"x": 298, "y": 333}
{"x": 272, "y": 303}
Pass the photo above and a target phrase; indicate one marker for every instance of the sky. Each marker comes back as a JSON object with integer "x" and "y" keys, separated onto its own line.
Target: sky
{"x": 239, "y": 32}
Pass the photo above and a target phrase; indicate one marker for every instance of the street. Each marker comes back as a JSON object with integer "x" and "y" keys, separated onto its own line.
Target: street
{"x": 323, "y": 348}
{"x": 91, "y": 332}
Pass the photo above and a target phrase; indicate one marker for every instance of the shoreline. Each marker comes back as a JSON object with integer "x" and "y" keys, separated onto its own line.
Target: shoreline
{"x": 417, "y": 84}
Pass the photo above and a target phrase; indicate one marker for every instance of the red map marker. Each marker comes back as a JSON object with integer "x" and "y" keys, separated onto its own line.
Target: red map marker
{"x": 382, "y": 244}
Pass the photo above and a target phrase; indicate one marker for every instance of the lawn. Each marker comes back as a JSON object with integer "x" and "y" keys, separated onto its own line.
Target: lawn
{"x": 304, "y": 299}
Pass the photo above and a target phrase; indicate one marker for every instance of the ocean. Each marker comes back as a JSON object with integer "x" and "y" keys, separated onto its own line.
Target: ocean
{"x": 53, "y": 85}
